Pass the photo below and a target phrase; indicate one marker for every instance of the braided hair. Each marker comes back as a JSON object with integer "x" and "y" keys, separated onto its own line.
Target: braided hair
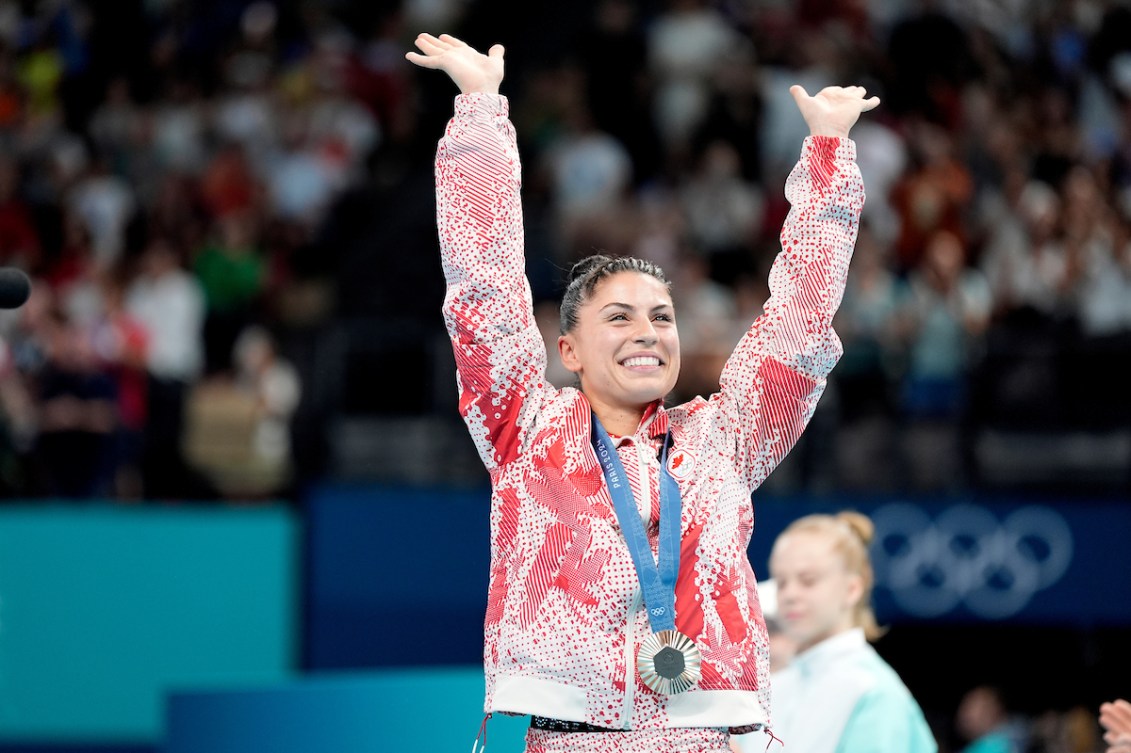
{"x": 586, "y": 274}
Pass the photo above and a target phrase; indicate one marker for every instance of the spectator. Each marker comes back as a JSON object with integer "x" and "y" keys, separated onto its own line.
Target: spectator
{"x": 105, "y": 203}
{"x": 983, "y": 722}
{"x": 943, "y": 317}
{"x": 724, "y": 211}
{"x": 17, "y": 426}
{"x": 589, "y": 171}
{"x": 1019, "y": 260}
{"x": 945, "y": 310}
{"x": 684, "y": 45}
{"x": 117, "y": 129}
{"x": 121, "y": 345}
{"x": 169, "y": 302}
{"x": 932, "y": 196}
{"x": 19, "y": 239}
{"x": 74, "y": 450}
{"x": 233, "y": 275}
{"x": 273, "y": 383}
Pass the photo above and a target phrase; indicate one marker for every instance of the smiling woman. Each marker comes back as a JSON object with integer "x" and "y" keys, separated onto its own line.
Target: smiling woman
{"x": 623, "y": 612}
{"x": 619, "y": 336}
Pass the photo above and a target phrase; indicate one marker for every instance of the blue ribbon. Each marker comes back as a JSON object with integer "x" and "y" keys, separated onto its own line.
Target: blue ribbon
{"x": 657, "y": 578}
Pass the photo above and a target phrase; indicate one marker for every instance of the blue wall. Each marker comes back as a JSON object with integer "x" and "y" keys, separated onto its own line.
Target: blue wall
{"x": 105, "y": 609}
{"x": 408, "y": 568}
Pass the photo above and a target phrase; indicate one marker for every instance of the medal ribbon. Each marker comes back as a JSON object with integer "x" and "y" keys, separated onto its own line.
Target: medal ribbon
{"x": 657, "y": 578}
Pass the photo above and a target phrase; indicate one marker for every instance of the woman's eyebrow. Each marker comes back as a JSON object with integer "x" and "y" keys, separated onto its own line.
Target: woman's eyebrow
{"x": 630, "y": 307}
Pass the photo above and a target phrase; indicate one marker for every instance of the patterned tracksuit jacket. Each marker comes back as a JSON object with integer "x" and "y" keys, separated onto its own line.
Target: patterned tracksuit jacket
{"x": 564, "y": 613}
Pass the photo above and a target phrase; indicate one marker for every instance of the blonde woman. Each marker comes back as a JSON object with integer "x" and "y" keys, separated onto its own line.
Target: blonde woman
{"x": 837, "y": 695}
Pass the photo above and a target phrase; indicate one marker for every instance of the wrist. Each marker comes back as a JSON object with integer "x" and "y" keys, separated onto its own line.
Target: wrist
{"x": 829, "y": 132}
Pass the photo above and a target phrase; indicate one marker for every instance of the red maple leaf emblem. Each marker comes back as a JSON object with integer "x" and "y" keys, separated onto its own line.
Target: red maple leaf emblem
{"x": 677, "y": 461}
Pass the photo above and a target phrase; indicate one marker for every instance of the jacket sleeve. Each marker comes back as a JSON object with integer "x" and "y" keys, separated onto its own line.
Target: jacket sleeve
{"x": 778, "y": 370}
{"x": 499, "y": 352}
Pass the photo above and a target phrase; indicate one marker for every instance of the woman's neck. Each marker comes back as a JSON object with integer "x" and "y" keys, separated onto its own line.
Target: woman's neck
{"x": 621, "y": 422}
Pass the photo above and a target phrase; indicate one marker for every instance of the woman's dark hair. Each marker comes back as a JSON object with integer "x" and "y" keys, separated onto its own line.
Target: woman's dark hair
{"x": 587, "y": 273}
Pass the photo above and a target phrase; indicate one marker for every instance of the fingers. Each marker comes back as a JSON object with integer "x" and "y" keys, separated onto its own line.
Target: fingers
{"x": 859, "y": 92}
{"x": 837, "y": 94}
{"x": 430, "y": 44}
{"x": 851, "y": 92}
{"x": 435, "y": 46}
{"x": 1116, "y": 710}
{"x": 422, "y": 60}
{"x": 432, "y": 49}
{"x": 1116, "y": 716}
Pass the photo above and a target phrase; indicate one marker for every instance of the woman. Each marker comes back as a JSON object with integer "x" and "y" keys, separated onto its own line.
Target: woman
{"x": 604, "y": 646}
{"x": 837, "y": 694}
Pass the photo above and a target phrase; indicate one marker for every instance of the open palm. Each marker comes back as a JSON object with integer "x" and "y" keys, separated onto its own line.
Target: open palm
{"x": 471, "y": 70}
{"x": 833, "y": 110}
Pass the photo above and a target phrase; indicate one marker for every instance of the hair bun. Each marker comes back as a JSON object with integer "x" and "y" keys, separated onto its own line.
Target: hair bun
{"x": 586, "y": 265}
{"x": 860, "y": 524}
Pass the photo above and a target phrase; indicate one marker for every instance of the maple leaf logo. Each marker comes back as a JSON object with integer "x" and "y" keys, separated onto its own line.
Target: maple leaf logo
{"x": 680, "y": 463}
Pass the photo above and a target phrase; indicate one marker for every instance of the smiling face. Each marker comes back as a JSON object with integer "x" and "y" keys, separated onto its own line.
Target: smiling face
{"x": 817, "y": 593}
{"x": 624, "y": 347}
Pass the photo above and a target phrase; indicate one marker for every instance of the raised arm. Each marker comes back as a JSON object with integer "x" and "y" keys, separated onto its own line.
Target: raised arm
{"x": 777, "y": 373}
{"x": 500, "y": 355}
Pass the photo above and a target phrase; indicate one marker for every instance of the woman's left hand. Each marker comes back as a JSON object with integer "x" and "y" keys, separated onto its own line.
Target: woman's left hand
{"x": 833, "y": 110}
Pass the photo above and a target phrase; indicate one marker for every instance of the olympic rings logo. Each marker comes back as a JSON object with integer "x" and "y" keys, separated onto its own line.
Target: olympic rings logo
{"x": 966, "y": 556}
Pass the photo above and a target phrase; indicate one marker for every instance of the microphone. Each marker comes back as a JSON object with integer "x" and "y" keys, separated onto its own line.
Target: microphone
{"x": 15, "y": 288}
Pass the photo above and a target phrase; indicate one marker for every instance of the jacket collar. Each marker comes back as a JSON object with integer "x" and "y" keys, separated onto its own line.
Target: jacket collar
{"x": 653, "y": 424}
{"x": 826, "y": 653}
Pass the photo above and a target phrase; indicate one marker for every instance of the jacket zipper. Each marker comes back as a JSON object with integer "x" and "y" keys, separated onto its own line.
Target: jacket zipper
{"x": 630, "y": 660}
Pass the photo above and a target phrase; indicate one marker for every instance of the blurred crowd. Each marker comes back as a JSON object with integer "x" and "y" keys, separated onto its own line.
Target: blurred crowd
{"x": 195, "y": 187}
{"x": 984, "y": 722}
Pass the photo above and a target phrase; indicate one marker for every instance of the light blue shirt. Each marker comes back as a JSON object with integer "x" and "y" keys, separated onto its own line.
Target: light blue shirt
{"x": 841, "y": 697}
{"x": 997, "y": 741}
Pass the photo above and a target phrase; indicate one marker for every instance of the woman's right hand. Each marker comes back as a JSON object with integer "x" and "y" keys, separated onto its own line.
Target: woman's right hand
{"x": 471, "y": 70}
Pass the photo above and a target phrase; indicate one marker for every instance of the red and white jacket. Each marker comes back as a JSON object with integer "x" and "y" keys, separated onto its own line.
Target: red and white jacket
{"x": 564, "y": 613}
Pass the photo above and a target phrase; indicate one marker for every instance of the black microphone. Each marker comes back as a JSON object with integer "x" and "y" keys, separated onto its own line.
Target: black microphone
{"x": 15, "y": 288}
